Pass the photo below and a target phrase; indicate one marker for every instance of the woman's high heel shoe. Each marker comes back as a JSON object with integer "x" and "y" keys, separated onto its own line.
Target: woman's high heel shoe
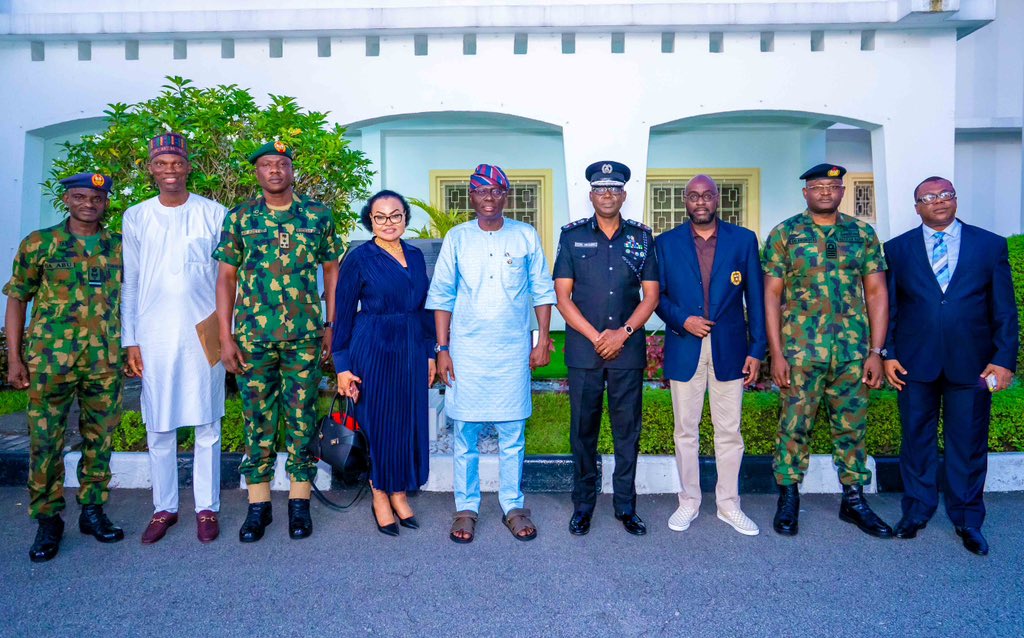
{"x": 388, "y": 530}
{"x": 410, "y": 522}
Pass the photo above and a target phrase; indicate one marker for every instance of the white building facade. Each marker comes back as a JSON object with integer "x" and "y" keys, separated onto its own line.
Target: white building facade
{"x": 750, "y": 91}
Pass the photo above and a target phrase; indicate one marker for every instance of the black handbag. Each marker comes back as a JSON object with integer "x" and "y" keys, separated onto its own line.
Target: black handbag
{"x": 339, "y": 442}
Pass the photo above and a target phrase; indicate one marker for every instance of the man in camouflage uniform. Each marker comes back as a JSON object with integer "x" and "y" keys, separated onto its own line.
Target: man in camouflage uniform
{"x": 72, "y": 274}
{"x": 825, "y": 342}
{"x": 269, "y": 250}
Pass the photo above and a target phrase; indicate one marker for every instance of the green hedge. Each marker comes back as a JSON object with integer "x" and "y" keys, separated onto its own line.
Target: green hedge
{"x": 1016, "y": 243}
{"x": 547, "y": 432}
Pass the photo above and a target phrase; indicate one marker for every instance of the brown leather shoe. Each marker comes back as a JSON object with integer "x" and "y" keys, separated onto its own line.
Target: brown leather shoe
{"x": 207, "y": 528}
{"x": 158, "y": 526}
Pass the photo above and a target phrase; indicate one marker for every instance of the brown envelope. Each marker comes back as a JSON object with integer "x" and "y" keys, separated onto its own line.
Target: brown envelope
{"x": 209, "y": 336}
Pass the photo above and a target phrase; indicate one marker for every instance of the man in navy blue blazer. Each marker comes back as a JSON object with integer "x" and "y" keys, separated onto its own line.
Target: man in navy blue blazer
{"x": 952, "y": 341}
{"x": 707, "y": 269}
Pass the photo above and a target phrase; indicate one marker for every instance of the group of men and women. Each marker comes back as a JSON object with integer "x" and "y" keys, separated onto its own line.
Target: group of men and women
{"x": 191, "y": 291}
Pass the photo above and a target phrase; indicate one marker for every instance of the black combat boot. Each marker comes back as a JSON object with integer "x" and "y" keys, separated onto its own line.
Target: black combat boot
{"x": 854, "y": 509}
{"x": 787, "y": 512}
{"x": 51, "y": 529}
{"x": 256, "y": 521}
{"x": 94, "y": 522}
{"x": 300, "y": 523}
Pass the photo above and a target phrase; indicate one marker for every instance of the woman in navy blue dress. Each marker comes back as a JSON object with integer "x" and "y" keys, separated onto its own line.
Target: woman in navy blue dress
{"x": 384, "y": 354}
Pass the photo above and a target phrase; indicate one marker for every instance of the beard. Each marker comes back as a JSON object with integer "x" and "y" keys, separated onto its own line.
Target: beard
{"x": 702, "y": 216}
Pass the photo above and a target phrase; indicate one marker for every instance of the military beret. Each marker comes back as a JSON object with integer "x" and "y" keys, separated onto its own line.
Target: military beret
{"x": 95, "y": 181}
{"x": 824, "y": 171}
{"x": 608, "y": 174}
{"x": 276, "y": 147}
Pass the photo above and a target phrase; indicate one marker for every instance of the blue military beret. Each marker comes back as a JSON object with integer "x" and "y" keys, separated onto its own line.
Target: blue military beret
{"x": 824, "y": 171}
{"x": 608, "y": 174}
{"x": 94, "y": 181}
{"x": 276, "y": 147}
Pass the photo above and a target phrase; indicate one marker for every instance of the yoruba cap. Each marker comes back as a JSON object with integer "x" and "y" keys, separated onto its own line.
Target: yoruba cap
{"x": 277, "y": 147}
{"x": 168, "y": 144}
{"x": 488, "y": 175}
{"x": 95, "y": 181}
{"x": 608, "y": 173}
{"x": 824, "y": 171}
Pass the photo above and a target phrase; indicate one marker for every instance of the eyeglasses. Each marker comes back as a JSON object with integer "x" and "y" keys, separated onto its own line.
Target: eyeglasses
{"x": 706, "y": 196}
{"x": 393, "y": 218}
{"x": 931, "y": 198}
{"x": 161, "y": 165}
{"x": 496, "y": 193}
{"x": 601, "y": 190}
{"x": 825, "y": 188}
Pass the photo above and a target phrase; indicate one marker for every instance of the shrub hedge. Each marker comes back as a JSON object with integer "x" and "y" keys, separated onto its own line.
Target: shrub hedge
{"x": 547, "y": 430}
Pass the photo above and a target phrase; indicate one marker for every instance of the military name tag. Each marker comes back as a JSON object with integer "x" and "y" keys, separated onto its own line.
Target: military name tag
{"x": 306, "y": 231}
{"x": 801, "y": 239}
{"x": 585, "y": 244}
{"x": 57, "y": 265}
{"x": 253, "y": 231}
{"x": 284, "y": 240}
{"x": 95, "y": 276}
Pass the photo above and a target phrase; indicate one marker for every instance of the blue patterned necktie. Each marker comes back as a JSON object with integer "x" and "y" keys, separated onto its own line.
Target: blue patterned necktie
{"x": 940, "y": 260}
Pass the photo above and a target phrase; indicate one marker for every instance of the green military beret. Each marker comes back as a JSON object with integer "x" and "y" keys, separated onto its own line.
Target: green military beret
{"x": 276, "y": 147}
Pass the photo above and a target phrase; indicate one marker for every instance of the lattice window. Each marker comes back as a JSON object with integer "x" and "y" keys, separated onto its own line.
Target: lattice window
{"x": 524, "y": 199}
{"x": 859, "y": 199}
{"x": 666, "y": 189}
{"x": 530, "y": 200}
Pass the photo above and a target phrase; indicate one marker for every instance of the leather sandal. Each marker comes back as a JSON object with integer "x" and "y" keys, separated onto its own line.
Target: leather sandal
{"x": 518, "y": 521}
{"x": 464, "y": 521}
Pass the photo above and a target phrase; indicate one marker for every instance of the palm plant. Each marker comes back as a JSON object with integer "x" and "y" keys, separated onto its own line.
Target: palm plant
{"x": 441, "y": 221}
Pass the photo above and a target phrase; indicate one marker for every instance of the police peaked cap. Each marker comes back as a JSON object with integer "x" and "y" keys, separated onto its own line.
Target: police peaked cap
{"x": 608, "y": 173}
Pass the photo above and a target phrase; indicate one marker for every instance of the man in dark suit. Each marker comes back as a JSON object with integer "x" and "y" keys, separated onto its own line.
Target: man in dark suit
{"x": 952, "y": 340}
{"x": 707, "y": 269}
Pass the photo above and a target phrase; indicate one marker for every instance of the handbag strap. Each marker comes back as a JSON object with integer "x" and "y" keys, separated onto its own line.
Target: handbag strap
{"x": 336, "y": 507}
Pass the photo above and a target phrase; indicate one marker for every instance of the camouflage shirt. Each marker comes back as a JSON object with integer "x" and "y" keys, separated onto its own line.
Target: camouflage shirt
{"x": 824, "y": 316}
{"x": 76, "y": 295}
{"x": 277, "y": 254}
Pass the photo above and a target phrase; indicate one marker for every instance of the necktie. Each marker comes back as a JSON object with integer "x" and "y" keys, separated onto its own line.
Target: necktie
{"x": 940, "y": 260}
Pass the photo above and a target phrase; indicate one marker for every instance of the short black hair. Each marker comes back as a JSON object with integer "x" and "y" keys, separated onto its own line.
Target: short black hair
{"x": 364, "y": 216}
{"x": 933, "y": 178}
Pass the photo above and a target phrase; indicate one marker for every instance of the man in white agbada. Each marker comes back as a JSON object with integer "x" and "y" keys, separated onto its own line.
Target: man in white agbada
{"x": 490, "y": 273}
{"x": 169, "y": 287}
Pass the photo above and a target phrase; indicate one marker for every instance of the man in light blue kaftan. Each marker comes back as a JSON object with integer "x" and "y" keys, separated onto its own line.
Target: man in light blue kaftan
{"x": 489, "y": 276}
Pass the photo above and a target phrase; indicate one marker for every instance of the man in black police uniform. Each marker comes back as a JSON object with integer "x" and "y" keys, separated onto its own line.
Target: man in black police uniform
{"x": 603, "y": 262}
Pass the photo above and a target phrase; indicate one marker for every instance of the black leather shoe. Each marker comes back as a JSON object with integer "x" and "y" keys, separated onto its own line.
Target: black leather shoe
{"x": 974, "y": 542}
{"x": 579, "y": 524}
{"x": 787, "y": 511}
{"x": 51, "y": 529}
{"x": 391, "y": 529}
{"x": 854, "y": 509}
{"x": 633, "y": 523}
{"x": 300, "y": 523}
{"x": 908, "y": 527}
{"x": 409, "y": 523}
{"x": 94, "y": 522}
{"x": 256, "y": 520}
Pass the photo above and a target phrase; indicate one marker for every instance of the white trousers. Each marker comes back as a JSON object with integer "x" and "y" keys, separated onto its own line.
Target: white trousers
{"x": 163, "y": 468}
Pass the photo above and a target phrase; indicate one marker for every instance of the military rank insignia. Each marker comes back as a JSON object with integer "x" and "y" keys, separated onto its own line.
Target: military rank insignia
{"x": 736, "y": 278}
{"x": 831, "y": 250}
{"x": 95, "y": 276}
{"x": 284, "y": 240}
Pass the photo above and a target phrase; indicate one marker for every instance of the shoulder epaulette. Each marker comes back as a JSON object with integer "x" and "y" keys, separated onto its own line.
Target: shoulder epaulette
{"x": 641, "y": 225}
{"x": 574, "y": 224}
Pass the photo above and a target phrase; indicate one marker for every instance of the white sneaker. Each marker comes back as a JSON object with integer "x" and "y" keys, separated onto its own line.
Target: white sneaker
{"x": 740, "y": 522}
{"x": 681, "y": 518}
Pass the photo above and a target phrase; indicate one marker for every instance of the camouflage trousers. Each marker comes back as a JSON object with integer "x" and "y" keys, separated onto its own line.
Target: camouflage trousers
{"x": 846, "y": 398}
{"x": 49, "y": 400}
{"x": 281, "y": 383}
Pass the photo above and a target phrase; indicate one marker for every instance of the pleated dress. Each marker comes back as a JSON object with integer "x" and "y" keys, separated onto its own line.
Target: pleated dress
{"x": 383, "y": 335}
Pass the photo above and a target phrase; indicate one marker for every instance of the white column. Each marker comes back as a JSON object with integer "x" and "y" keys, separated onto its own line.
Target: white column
{"x": 595, "y": 136}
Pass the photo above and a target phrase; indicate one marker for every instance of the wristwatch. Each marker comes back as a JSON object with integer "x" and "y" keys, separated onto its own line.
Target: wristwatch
{"x": 628, "y": 328}
{"x": 439, "y": 348}
{"x": 879, "y": 351}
